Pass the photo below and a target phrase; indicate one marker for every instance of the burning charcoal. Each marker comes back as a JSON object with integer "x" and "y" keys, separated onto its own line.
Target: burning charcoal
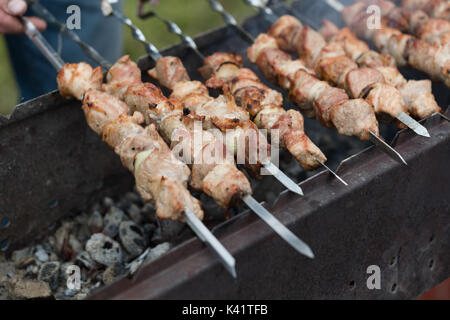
{"x": 108, "y": 202}
{"x": 19, "y": 256}
{"x": 62, "y": 236}
{"x": 112, "y": 221}
{"x": 149, "y": 213}
{"x": 82, "y": 218}
{"x": 4, "y": 290}
{"x": 84, "y": 260}
{"x": 148, "y": 230}
{"x": 156, "y": 237}
{"x": 6, "y": 269}
{"x": 31, "y": 289}
{"x": 76, "y": 245}
{"x": 95, "y": 222}
{"x": 135, "y": 214}
{"x": 133, "y": 197}
{"x": 41, "y": 254}
{"x": 124, "y": 204}
{"x": 171, "y": 229}
{"x": 103, "y": 249}
{"x": 50, "y": 273}
{"x": 158, "y": 251}
{"x": 132, "y": 238}
{"x": 114, "y": 272}
{"x": 83, "y": 233}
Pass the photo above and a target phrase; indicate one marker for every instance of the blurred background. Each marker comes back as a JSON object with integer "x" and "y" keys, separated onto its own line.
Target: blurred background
{"x": 186, "y": 13}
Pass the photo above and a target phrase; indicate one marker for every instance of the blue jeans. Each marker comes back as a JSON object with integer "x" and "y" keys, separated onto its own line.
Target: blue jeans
{"x": 34, "y": 74}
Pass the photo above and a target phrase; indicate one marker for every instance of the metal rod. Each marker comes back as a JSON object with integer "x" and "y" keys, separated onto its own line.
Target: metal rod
{"x": 216, "y": 6}
{"x": 386, "y": 148}
{"x": 196, "y": 225}
{"x": 42, "y": 44}
{"x": 174, "y": 28}
{"x": 413, "y": 125}
{"x": 89, "y": 50}
{"x": 283, "y": 178}
{"x": 278, "y": 227}
{"x": 207, "y": 237}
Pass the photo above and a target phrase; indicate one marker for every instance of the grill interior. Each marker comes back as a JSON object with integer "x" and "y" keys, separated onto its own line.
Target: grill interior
{"x": 87, "y": 170}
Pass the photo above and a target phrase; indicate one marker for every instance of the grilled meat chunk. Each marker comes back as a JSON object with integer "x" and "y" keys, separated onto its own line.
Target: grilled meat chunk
{"x": 75, "y": 79}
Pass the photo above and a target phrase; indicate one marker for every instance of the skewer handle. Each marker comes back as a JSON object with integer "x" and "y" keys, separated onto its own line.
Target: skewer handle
{"x": 43, "y": 45}
{"x": 172, "y": 27}
{"x": 89, "y": 50}
{"x": 228, "y": 18}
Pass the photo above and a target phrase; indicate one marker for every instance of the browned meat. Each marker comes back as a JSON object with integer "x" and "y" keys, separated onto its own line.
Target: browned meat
{"x": 122, "y": 74}
{"x": 74, "y": 79}
{"x": 362, "y": 78}
{"x": 169, "y": 71}
{"x": 435, "y": 8}
{"x": 262, "y": 42}
{"x": 213, "y": 63}
{"x": 101, "y": 108}
{"x": 419, "y": 98}
{"x": 355, "y": 117}
{"x": 283, "y": 30}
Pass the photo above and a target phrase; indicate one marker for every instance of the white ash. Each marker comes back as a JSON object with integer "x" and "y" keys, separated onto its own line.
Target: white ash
{"x": 106, "y": 243}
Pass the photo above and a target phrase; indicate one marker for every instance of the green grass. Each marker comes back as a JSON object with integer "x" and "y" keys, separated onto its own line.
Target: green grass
{"x": 193, "y": 16}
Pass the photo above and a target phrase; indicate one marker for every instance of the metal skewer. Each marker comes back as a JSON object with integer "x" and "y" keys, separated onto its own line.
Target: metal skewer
{"x": 229, "y": 19}
{"x": 378, "y": 141}
{"x": 203, "y": 233}
{"x": 266, "y": 216}
{"x": 402, "y": 116}
{"x": 174, "y": 28}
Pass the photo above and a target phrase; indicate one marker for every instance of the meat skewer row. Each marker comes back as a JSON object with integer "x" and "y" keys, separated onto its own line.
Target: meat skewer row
{"x": 218, "y": 177}
{"x": 439, "y": 9}
{"x": 332, "y": 109}
{"x": 406, "y": 49}
{"x": 285, "y": 124}
{"x": 331, "y": 63}
{"x": 254, "y": 205}
{"x": 226, "y": 184}
{"x": 195, "y": 96}
{"x": 160, "y": 176}
{"x": 214, "y": 113}
{"x": 416, "y": 94}
{"x": 416, "y": 22}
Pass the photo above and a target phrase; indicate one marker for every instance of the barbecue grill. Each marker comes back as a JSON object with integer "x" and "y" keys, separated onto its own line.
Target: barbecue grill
{"x": 390, "y": 215}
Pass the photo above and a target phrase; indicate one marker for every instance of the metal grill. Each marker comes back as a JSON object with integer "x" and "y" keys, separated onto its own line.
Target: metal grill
{"x": 389, "y": 215}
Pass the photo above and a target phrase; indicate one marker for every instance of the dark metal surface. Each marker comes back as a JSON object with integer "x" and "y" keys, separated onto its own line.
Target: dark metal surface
{"x": 52, "y": 164}
{"x": 391, "y": 216}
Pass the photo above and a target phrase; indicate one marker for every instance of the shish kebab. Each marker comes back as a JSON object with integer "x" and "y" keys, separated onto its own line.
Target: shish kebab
{"x": 417, "y": 94}
{"x": 160, "y": 176}
{"x": 241, "y": 127}
{"x": 439, "y": 9}
{"x": 350, "y": 117}
{"x": 347, "y": 52}
{"x": 290, "y": 123}
{"x": 406, "y": 49}
{"x": 330, "y": 63}
{"x": 416, "y": 22}
{"x": 227, "y": 184}
{"x": 230, "y": 184}
{"x": 266, "y": 103}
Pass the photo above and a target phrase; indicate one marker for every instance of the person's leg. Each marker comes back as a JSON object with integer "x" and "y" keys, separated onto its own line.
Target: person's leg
{"x": 34, "y": 74}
